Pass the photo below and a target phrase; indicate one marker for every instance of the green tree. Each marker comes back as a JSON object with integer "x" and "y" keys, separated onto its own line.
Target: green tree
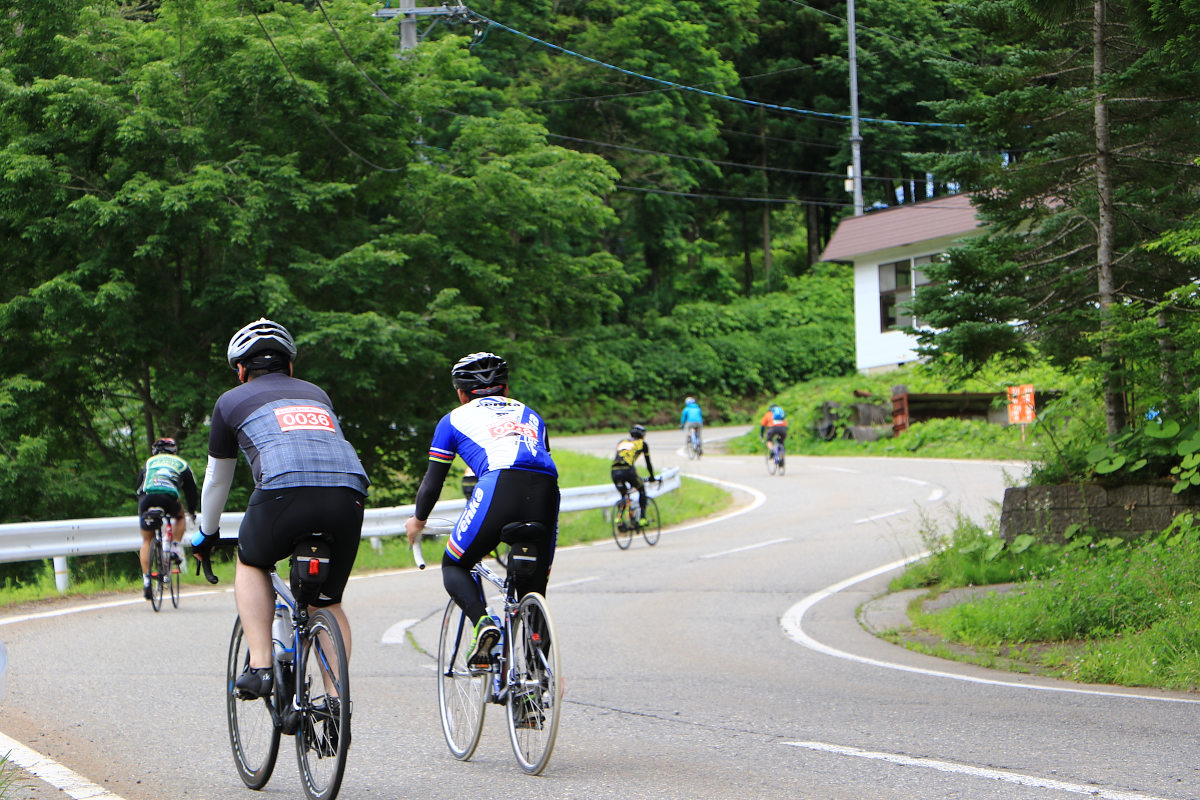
{"x": 1079, "y": 135}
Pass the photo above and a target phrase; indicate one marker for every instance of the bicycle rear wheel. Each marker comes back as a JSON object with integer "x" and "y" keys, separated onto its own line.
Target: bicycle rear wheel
{"x": 461, "y": 695}
{"x": 622, "y": 525}
{"x": 691, "y": 448}
{"x": 323, "y": 738}
{"x": 175, "y": 571}
{"x": 772, "y": 464}
{"x": 536, "y": 690}
{"x": 253, "y": 734}
{"x": 782, "y": 458}
{"x": 156, "y": 573}
{"x": 653, "y": 527}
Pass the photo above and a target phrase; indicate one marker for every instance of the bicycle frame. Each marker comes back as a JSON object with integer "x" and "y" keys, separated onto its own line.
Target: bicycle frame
{"x": 502, "y": 673}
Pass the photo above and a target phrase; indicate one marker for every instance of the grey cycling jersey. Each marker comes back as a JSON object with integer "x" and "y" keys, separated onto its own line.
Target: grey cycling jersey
{"x": 289, "y": 433}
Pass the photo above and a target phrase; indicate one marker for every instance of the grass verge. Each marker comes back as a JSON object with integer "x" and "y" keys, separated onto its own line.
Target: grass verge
{"x": 1092, "y": 610}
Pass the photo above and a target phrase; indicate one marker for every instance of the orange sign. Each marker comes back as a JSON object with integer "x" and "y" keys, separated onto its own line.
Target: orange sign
{"x": 1020, "y": 404}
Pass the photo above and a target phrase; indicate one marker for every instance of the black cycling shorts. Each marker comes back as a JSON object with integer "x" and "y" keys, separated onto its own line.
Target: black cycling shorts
{"x": 277, "y": 519}
{"x": 776, "y": 432}
{"x": 167, "y": 502}
{"x": 623, "y": 477}
{"x": 509, "y": 495}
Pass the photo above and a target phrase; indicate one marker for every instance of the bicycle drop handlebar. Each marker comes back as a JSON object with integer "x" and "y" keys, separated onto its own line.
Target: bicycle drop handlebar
{"x": 435, "y": 528}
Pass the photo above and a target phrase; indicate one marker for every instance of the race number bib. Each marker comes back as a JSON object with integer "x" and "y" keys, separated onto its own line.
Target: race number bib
{"x": 304, "y": 418}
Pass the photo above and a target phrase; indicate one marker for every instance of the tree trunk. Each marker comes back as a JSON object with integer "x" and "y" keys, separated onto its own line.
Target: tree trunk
{"x": 812, "y": 226}
{"x": 747, "y": 261}
{"x": 1114, "y": 398}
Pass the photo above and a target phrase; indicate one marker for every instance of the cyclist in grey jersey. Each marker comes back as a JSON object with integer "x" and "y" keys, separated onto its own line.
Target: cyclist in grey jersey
{"x": 307, "y": 478}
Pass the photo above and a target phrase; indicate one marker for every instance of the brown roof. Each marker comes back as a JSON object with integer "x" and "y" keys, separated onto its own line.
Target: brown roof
{"x": 894, "y": 227}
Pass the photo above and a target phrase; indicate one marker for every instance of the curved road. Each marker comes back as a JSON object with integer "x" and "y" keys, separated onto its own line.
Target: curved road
{"x": 726, "y": 662}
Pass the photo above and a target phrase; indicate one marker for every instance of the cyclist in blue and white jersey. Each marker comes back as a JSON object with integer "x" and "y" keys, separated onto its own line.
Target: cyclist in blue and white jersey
{"x": 504, "y": 443}
{"x": 307, "y": 478}
{"x": 692, "y": 418}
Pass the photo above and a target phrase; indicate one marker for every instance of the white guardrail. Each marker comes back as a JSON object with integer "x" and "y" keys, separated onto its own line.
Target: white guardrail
{"x": 59, "y": 539}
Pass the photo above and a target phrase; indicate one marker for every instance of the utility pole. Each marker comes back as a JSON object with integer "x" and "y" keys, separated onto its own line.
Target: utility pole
{"x": 855, "y": 137}
{"x": 408, "y": 14}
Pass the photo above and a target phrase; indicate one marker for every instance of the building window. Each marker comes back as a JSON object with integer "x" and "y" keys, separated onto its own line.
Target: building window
{"x": 897, "y": 282}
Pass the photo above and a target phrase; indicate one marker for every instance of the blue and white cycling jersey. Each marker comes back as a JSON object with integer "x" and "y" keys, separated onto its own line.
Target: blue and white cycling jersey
{"x": 492, "y": 433}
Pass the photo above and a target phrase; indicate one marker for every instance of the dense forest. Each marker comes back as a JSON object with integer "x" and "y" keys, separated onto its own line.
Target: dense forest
{"x": 628, "y": 201}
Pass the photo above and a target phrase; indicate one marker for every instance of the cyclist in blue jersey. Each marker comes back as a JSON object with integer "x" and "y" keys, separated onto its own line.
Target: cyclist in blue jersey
{"x": 164, "y": 479}
{"x": 307, "y": 478}
{"x": 504, "y": 443}
{"x": 692, "y": 418}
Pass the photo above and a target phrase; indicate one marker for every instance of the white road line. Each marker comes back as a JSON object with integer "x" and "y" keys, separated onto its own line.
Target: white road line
{"x": 62, "y": 612}
{"x": 793, "y": 625}
{"x": 1018, "y": 778}
{"x": 398, "y": 633}
{"x": 884, "y": 515}
{"x": 836, "y": 469}
{"x": 53, "y": 773}
{"x": 911, "y": 480}
{"x": 747, "y": 547}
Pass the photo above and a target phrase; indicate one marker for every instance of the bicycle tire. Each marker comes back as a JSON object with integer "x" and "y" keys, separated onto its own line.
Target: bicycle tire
{"x": 176, "y": 580}
{"x": 536, "y": 689}
{"x": 253, "y": 734}
{"x": 622, "y": 524}
{"x": 690, "y": 446}
{"x": 156, "y": 573}
{"x": 782, "y": 461}
{"x": 462, "y": 695}
{"x": 323, "y": 738}
{"x": 653, "y": 527}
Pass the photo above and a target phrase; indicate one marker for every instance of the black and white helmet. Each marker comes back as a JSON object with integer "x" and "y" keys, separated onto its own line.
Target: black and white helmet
{"x": 260, "y": 336}
{"x": 480, "y": 374}
{"x": 638, "y": 431}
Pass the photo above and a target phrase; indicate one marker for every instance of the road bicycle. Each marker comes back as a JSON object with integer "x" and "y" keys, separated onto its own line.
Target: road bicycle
{"x": 525, "y": 674}
{"x": 164, "y": 570}
{"x": 694, "y": 447}
{"x": 776, "y": 454}
{"x": 625, "y": 522}
{"x": 310, "y": 694}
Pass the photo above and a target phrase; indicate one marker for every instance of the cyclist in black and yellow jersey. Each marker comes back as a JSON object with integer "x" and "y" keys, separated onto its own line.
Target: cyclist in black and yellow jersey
{"x": 624, "y": 473}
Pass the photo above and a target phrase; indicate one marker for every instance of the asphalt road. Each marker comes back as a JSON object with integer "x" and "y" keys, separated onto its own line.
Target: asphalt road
{"x": 725, "y": 662}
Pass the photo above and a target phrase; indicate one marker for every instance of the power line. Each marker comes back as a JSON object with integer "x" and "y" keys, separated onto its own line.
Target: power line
{"x": 313, "y": 108}
{"x": 717, "y": 95}
{"x": 716, "y": 162}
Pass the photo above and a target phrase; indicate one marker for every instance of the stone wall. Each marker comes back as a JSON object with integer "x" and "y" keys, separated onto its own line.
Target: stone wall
{"x": 1125, "y": 511}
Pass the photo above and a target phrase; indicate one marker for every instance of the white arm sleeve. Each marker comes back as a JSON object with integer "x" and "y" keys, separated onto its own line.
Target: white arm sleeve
{"x": 218, "y": 479}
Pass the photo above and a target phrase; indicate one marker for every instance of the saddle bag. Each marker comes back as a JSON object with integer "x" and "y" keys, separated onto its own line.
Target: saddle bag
{"x": 310, "y": 568}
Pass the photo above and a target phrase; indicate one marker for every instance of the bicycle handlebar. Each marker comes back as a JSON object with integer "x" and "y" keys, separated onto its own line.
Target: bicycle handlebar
{"x": 433, "y": 527}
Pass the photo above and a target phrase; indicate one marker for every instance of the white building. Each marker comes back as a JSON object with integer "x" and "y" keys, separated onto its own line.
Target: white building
{"x": 888, "y": 248}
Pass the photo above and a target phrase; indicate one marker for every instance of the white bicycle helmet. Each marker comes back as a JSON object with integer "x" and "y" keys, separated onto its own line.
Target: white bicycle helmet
{"x": 259, "y": 337}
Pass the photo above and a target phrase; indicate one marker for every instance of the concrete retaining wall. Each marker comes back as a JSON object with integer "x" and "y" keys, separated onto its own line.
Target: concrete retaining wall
{"x": 1125, "y": 511}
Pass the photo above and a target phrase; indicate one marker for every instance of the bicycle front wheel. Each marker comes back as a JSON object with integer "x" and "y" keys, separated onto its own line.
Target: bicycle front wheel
{"x": 461, "y": 695}
{"x": 323, "y": 738}
{"x": 536, "y": 689}
{"x": 622, "y": 525}
{"x": 772, "y": 463}
{"x": 252, "y": 730}
{"x": 653, "y": 527}
{"x": 156, "y": 573}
